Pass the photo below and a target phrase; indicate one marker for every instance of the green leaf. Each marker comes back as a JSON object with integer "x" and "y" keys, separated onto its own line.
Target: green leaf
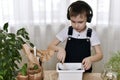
{"x": 31, "y": 44}
{"x": 5, "y": 27}
{"x": 1, "y": 31}
{"x": 35, "y": 67}
{"x": 21, "y": 40}
{"x": 11, "y": 35}
{"x": 24, "y": 69}
{"x": 22, "y": 31}
{"x": 1, "y": 77}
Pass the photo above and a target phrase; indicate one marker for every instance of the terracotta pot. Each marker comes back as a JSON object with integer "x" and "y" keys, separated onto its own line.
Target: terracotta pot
{"x": 33, "y": 71}
{"x": 31, "y": 76}
{"x": 37, "y": 76}
{"x": 21, "y": 77}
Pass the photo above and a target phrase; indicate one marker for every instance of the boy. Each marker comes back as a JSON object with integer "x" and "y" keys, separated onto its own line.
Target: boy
{"x": 79, "y": 37}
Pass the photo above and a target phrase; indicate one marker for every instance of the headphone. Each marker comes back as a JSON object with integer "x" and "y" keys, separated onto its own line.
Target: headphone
{"x": 81, "y": 4}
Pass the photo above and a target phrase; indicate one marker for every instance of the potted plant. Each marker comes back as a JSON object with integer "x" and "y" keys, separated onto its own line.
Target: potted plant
{"x": 22, "y": 75}
{"x": 30, "y": 73}
{"x": 113, "y": 64}
{"x": 114, "y": 61}
{"x": 35, "y": 72}
{"x": 10, "y": 46}
{"x": 35, "y": 69}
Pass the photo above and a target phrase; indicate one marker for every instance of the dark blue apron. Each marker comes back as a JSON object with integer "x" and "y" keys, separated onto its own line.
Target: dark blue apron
{"x": 78, "y": 49}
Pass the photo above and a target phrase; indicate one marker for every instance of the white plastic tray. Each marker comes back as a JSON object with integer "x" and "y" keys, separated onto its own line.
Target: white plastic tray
{"x": 70, "y": 71}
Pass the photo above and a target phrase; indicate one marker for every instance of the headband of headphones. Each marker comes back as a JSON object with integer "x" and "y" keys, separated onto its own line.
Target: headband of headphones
{"x": 80, "y": 4}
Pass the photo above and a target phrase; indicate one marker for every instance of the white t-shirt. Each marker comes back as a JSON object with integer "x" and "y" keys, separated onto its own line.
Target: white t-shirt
{"x": 63, "y": 35}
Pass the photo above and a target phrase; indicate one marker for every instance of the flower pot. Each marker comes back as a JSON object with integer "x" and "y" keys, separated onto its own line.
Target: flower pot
{"x": 21, "y": 77}
{"x": 36, "y": 76}
{"x": 30, "y": 71}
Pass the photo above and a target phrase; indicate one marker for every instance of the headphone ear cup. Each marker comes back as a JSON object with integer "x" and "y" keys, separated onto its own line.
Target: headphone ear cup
{"x": 68, "y": 16}
{"x": 89, "y": 18}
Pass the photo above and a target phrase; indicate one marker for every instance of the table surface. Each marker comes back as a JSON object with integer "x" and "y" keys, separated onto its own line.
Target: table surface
{"x": 53, "y": 75}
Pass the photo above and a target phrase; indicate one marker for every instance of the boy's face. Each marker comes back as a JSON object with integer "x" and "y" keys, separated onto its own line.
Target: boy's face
{"x": 79, "y": 22}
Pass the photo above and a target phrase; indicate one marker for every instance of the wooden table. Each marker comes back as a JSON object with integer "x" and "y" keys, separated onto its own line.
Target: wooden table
{"x": 53, "y": 75}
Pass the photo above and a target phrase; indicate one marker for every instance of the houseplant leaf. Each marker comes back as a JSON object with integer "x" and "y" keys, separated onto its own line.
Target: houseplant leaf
{"x": 24, "y": 69}
{"x": 35, "y": 67}
{"x": 5, "y": 27}
{"x": 10, "y": 50}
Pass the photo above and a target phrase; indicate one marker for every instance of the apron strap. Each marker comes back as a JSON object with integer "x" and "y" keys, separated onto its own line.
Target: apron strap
{"x": 89, "y": 32}
{"x": 70, "y": 31}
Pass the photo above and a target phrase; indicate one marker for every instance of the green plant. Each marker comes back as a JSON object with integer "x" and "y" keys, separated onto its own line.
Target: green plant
{"x": 10, "y": 46}
{"x": 114, "y": 62}
{"x": 23, "y": 70}
{"x": 35, "y": 67}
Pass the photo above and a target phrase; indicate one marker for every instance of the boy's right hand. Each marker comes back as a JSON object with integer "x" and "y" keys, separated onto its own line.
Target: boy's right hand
{"x": 61, "y": 55}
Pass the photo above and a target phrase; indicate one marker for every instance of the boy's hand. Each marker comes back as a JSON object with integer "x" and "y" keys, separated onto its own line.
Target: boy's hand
{"x": 61, "y": 55}
{"x": 87, "y": 63}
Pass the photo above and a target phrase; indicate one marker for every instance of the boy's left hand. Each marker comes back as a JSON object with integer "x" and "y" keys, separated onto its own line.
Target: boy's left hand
{"x": 87, "y": 63}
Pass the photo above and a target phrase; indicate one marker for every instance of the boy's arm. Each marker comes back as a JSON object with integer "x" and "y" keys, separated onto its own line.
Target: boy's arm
{"x": 87, "y": 62}
{"x": 53, "y": 45}
{"x": 60, "y": 51}
{"x": 98, "y": 54}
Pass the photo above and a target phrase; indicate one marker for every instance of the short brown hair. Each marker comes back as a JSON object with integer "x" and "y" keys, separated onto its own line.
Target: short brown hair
{"x": 80, "y": 7}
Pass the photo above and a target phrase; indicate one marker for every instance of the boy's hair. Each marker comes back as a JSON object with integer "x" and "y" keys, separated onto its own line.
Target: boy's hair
{"x": 80, "y": 7}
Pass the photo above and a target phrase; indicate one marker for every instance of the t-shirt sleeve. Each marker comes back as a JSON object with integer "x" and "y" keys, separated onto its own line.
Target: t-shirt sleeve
{"x": 63, "y": 34}
{"x": 94, "y": 38}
